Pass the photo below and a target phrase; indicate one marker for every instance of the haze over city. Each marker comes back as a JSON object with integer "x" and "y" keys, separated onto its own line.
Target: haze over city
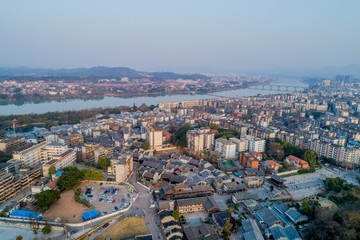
{"x": 180, "y": 36}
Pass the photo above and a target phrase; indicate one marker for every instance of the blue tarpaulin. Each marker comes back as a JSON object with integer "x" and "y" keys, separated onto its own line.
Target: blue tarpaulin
{"x": 58, "y": 173}
{"x": 90, "y": 215}
{"x": 25, "y": 214}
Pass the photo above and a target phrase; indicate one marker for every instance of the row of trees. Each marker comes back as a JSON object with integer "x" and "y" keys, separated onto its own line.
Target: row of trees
{"x": 72, "y": 177}
{"x": 92, "y": 174}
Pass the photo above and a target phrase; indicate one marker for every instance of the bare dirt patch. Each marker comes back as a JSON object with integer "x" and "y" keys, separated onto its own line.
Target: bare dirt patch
{"x": 128, "y": 227}
{"x": 67, "y": 208}
{"x": 327, "y": 203}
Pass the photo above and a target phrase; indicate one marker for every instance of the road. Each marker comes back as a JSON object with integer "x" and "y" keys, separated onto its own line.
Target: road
{"x": 142, "y": 203}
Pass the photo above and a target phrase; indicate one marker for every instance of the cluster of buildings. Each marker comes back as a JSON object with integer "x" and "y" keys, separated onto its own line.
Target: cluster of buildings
{"x": 314, "y": 119}
{"x": 34, "y": 89}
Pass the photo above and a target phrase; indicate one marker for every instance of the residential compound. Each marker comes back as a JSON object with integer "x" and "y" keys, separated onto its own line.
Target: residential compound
{"x": 42, "y": 153}
{"x": 201, "y": 139}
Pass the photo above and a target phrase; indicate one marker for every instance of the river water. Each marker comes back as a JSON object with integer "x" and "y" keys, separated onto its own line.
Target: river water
{"x": 80, "y": 104}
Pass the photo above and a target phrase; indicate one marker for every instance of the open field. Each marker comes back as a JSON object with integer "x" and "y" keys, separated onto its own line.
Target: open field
{"x": 125, "y": 228}
{"x": 327, "y": 203}
{"x": 67, "y": 208}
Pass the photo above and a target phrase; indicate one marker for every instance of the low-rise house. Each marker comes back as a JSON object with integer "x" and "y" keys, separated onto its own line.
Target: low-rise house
{"x": 272, "y": 165}
{"x": 297, "y": 162}
{"x": 284, "y": 233}
{"x": 240, "y": 197}
{"x": 232, "y": 187}
{"x": 189, "y": 205}
{"x": 267, "y": 217}
{"x": 178, "y": 191}
{"x": 204, "y": 231}
{"x": 251, "y": 230}
{"x": 221, "y": 218}
{"x": 277, "y": 180}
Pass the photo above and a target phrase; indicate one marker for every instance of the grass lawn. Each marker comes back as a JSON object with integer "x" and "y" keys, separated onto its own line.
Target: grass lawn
{"x": 126, "y": 228}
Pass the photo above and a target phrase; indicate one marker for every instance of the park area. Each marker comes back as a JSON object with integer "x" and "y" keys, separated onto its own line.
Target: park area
{"x": 128, "y": 227}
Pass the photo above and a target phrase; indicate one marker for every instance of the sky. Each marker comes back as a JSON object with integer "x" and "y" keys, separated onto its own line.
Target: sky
{"x": 161, "y": 35}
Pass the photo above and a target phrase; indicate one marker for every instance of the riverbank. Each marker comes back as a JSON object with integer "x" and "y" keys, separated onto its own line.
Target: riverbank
{"x": 62, "y": 98}
{"x": 112, "y": 102}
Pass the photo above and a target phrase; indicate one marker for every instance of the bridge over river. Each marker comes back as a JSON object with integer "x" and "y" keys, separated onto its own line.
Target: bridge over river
{"x": 278, "y": 87}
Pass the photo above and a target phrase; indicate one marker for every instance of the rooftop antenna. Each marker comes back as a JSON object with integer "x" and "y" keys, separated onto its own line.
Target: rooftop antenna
{"x": 14, "y": 122}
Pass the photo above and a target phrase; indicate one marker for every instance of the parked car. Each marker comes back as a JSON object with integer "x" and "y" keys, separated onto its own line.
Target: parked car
{"x": 106, "y": 225}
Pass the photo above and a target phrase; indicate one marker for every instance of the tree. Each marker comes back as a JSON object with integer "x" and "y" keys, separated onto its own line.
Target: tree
{"x": 310, "y": 157}
{"x": 17, "y": 90}
{"x": 103, "y": 163}
{"x": 45, "y": 199}
{"x": 179, "y": 138}
{"x": 176, "y": 214}
{"x": 214, "y": 126}
{"x": 46, "y": 230}
{"x": 226, "y": 230}
{"x": 306, "y": 208}
{"x": 3, "y": 213}
{"x": 145, "y": 145}
{"x": 19, "y": 237}
{"x": 52, "y": 170}
{"x": 70, "y": 178}
{"x": 99, "y": 175}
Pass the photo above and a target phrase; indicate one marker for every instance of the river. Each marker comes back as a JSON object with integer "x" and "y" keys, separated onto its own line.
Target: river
{"x": 80, "y": 104}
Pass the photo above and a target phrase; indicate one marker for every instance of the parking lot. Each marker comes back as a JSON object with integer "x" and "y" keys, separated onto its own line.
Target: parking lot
{"x": 107, "y": 198}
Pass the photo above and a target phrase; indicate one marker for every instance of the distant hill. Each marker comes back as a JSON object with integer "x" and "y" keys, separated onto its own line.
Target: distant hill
{"x": 105, "y": 72}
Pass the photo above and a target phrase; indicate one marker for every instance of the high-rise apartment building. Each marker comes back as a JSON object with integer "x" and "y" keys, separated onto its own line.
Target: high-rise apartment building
{"x": 225, "y": 148}
{"x": 154, "y": 136}
{"x": 200, "y": 139}
{"x": 121, "y": 167}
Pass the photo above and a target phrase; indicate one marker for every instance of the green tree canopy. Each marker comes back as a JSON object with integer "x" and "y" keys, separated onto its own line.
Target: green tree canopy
{"x": 45, "y": 199}
{"x": 70, "y": 178}
{"x": 46, "y": 230}
{"x": 103, "y": 163}
{"x": 145, "y": 145}
{"x": 52, "y": 170}
{"x": 310, "y": 157}
{"x": 176, "y": 214}
{"x": 19, "y": 237}
{"x": 179, "y": 138}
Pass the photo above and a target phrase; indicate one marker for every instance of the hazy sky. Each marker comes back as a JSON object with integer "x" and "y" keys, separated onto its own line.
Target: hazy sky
{"x": 163, "y": 35}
